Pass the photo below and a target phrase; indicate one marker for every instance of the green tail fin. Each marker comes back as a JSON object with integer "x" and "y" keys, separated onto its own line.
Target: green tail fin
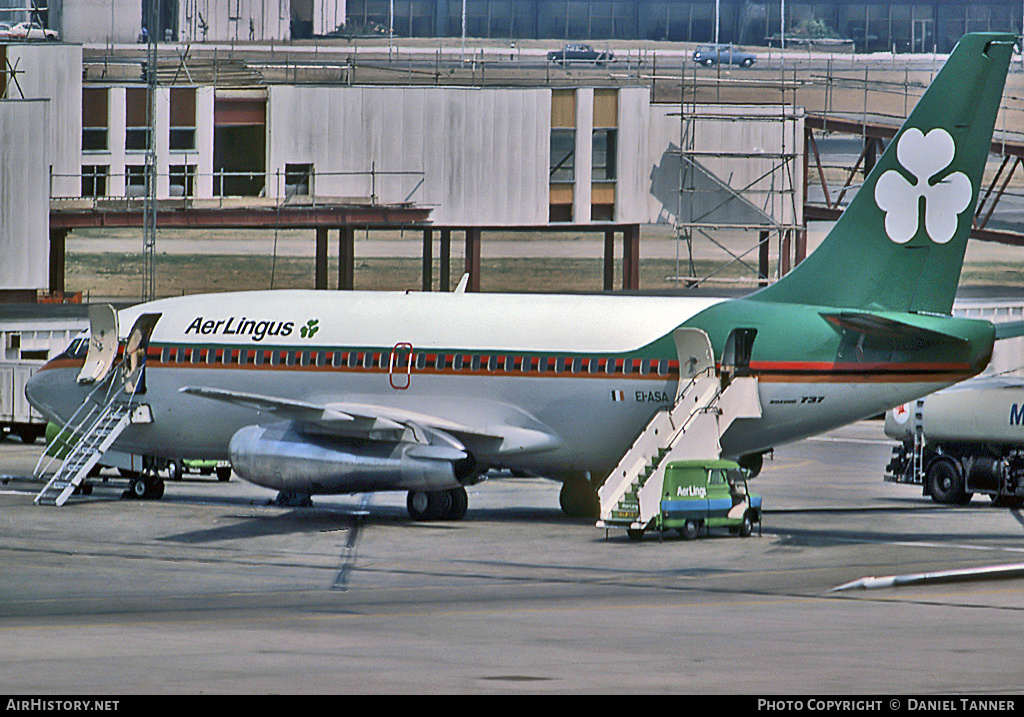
{"x": 900, "y": 243}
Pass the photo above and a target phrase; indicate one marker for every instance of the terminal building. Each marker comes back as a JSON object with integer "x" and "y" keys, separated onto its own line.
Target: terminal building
{"x": 869, "y": 26}
{"x": 440, "y": 158}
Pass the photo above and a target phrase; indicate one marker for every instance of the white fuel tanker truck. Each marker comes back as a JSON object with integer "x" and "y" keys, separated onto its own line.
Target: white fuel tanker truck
{"x": 963, "y": 440}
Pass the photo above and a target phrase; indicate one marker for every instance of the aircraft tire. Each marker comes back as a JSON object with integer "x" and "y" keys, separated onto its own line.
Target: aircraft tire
{"x": 175, "y": 469}
{"x": 578, "y": 499}
{"x": 429, "y": 505}
{"x": 138, "y": 488}
{"x": 155, "y": 489}
{"x": 459, "y": 504}
{"x": 417, "y": 504}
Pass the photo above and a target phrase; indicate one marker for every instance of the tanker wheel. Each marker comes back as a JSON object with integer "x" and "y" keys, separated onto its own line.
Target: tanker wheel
{"x": 946, "y": 482}
{"x": 1008, "y": 501}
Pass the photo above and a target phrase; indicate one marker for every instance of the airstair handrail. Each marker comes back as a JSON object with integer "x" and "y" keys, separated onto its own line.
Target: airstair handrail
{"x": 75, "y": 428}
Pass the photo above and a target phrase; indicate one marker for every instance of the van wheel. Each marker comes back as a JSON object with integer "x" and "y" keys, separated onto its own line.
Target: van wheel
{"x": 689, "y": 530}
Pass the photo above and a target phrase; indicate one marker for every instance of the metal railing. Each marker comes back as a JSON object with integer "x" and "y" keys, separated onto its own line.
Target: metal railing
{"x": 308, "y": 188}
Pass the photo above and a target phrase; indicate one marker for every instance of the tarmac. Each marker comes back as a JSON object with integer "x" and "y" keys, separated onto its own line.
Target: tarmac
{"x": 211, "y": 590}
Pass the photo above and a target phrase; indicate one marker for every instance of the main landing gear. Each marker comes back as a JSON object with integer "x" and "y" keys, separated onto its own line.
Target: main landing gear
{"x": 578, "y": 498}
{"x": 438, "y": 504}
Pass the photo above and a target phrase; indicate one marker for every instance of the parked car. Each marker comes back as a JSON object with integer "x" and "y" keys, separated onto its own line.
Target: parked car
{"x": 710, "y": 55}
{"x": 32, "y": 31}
{"x": 5, "y": 31}
{"x": 576, "y": 52}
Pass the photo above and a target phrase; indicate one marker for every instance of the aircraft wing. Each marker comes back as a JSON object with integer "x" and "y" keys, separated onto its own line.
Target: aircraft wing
{"x": 385, "y": 422}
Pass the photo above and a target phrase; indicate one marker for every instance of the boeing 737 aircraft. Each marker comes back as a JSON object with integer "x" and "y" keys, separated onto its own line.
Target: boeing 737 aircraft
{"x": 341, "y": 392}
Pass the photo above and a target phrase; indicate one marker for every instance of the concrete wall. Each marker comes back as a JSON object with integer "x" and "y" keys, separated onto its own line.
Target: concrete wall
{"x": 753, "y": 151}
{"x": 101, "y": 20}
{"x": 255, "y": 20}
{"x": 53, "y": 71}
{"x": 24, "y": 194}
{"x": 479, "y": 156}
{"x": 633, "y": 162}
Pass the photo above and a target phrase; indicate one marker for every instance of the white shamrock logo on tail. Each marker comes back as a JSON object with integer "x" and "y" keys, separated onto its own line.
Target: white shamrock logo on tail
{"x": 924, "y": 156}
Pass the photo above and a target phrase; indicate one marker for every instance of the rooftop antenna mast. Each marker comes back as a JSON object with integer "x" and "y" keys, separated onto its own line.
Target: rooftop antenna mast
{"x": 149, "y": 204}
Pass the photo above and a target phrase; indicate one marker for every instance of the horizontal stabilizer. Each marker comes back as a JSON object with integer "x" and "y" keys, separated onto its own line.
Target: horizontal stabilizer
{"x": 882, "y": 327}
{"x": 1009, "y": 329}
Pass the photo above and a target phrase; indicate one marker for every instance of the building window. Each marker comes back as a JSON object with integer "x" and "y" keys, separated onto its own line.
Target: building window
{"x": 604, "y": 143}
{"x": 182, "y": 180}
{"x": 136, "y": 133}
{"x": 563, "y": 155}
{"x": 135, "y": 180}
{"x": 94, "y": 120}
{"x": 183, "y": 119}
{"x": 94, "y": 180}
{"x": 298, "y": 178}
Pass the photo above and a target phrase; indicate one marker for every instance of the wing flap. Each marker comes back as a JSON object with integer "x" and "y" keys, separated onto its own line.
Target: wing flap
{"x": 357, "y": 419}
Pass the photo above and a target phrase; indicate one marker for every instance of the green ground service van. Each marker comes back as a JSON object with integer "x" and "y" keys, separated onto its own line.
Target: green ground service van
{"x": 707, "y": 494}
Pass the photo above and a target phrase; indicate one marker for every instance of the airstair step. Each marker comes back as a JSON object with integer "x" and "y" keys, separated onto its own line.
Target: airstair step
{"x": 83, "y": 454}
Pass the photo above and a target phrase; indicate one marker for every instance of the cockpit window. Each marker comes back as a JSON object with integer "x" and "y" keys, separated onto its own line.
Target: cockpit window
{"x": 77, "y": 349}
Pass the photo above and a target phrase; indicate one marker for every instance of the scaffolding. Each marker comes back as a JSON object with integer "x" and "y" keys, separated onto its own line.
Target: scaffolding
{"x": 763, "y": 195}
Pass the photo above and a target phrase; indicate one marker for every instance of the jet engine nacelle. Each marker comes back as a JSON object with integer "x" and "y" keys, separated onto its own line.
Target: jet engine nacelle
{"x": 284, "y": 457}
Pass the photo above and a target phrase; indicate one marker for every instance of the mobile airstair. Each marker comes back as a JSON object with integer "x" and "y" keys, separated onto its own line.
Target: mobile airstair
{"x": 707, "y": 401}
{"x": 110, "y": 407}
